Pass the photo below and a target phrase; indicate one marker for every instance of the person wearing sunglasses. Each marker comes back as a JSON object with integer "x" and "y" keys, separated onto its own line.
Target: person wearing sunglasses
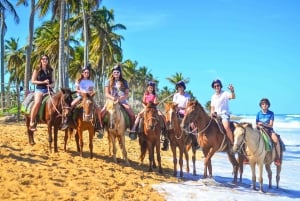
{"x": 43, "y": 78}
{"x": 181, "y": 99}
{"x": 220, "y": 105}
{"x": 117, "y": 88}
{"x": 84, "y": 84}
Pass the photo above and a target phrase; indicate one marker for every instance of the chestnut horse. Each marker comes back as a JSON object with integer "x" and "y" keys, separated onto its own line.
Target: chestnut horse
{"x": 150, "y": 137}
{"x": 211, "y": 137}
{"x": 256, "y": 152}
{"x": 51, "y": 113}
{"x": 85, "y": 118}
{"x": 116, "y": 127}
{"x": 178, "y": 139}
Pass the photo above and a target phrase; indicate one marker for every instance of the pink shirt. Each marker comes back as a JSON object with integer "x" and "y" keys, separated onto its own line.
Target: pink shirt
{"x": 149, "y": 97}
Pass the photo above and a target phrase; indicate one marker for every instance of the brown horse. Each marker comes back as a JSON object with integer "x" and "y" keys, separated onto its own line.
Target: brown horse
{"x": 116, "y": 127}
{"x": 150, "y": 137}
{"x": 178, "y": 139}
{"x": 51, "y": 113}
{"x": 84, "y": 116}
{"x": 256, "y": 152}
{"x": 210, "y": 136}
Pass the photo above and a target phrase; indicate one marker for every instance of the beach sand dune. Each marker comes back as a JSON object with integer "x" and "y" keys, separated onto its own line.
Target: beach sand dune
{"x": 32, "y": 173}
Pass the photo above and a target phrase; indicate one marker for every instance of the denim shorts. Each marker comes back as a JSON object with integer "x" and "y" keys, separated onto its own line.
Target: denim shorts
{"x": 225, "y": 116}
{"x": 42, "y": 90}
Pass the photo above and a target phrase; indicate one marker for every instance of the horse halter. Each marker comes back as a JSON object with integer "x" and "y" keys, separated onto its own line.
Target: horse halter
{"x": 89, "y": 116}
{"x": 242, "y": 142}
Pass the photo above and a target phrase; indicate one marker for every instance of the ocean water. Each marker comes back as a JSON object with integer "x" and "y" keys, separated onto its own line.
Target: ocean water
{"x": 220, "y": 188}
{"x": 286, "y": 125}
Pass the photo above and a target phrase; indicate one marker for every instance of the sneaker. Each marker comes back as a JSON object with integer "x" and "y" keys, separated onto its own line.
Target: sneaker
{"x": 277, "y": 162}
{"x": 64, "y": 126}
{"x": 132, "y": 135}
{"x": 100, "y": 134}
{"x": 165, "y": 145}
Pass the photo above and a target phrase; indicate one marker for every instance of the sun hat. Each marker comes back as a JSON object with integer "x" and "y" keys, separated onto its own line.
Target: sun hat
{"x": 180, "y": 84}
{"x": 117, "y": 68}
{"x": 151, "y": 83}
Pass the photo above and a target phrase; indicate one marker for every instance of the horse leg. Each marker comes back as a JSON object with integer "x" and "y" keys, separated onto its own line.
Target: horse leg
{"x": 173, "y": 149}
{"x": 66, "y": 139}
{"x": 278, "y": 170}
{"x": 77, "y": 141}
{"x": 55, "y": 139}
{"x": 208, "y": 162}
{"x": 252, "y": 165}
{"x": 186, "y": 154}
{"x": 151, "y": 154}
{"x": 241, "y": 166}
{"x": 269, "y": 171}
{"x": 29, "y": 132}
{"x": 235, "y": 165}
{"x": 124, "y": 152}
{"x": 50, "y": 137}
{"x": 205, "y": 163}
{"x": 181, "y": 160}
{"x": 158, "y": 156}
{"x": 260, "y": 178}
{"x": 80, "y": 139}
{"x": 91, "y": 135}
{"x": 113, "y": 141}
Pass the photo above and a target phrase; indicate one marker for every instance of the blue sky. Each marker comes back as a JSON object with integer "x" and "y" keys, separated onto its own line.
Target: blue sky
{"x": 252, "y": 44}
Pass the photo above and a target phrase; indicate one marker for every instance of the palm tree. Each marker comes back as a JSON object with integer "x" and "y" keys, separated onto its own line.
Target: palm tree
{"x": 29, "y": 45}
{"x": 5, "y": 6}
{"x": 15, "y": 58}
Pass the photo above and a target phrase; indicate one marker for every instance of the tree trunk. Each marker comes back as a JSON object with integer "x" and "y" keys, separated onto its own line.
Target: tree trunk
{"x": 29, "y": 49}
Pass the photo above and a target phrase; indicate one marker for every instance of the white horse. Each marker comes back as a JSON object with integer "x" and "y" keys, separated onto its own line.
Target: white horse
{"x": 256, "y": 152}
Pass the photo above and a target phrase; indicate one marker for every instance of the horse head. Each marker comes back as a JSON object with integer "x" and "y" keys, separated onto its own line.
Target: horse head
{"x": 112, "y": 108}
{"x": 171, "y": 115}
{"x": 151, "y": 117}
{"x": 239, "y": 135}
{"x": 65, "y": 101}
{"x": 88, "y": 106}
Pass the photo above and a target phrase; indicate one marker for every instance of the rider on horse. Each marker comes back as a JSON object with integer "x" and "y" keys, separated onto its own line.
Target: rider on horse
{"x": 43, "y": 78}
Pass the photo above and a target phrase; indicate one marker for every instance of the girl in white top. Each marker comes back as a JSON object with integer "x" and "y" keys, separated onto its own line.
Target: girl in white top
{"x": 83, "y": 85}
{"x": 181, "y": 98}
{"x": 220, "y": 106}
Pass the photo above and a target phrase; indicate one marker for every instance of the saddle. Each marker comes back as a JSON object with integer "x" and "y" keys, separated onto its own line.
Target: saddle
{"x": 28, "y": 103}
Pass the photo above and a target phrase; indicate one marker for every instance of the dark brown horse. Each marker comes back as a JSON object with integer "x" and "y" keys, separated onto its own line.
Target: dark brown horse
{"x": 85, "y": 118}
{"x": 211, "y": 136}
{"x": 150, "y": 138}
{"x": 51, "y": 113}
{"x": 178, "y": 139}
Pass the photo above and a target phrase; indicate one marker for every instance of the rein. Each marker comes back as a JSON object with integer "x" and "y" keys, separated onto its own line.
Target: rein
{"x": 61, "y": 102}
{"x": 259, "y": 139}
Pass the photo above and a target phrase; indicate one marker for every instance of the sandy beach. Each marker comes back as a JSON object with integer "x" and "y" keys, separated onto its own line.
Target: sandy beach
{"x": 32, "y": 173}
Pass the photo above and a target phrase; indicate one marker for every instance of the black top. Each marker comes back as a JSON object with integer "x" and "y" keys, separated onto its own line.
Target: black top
{"x": 42, "y": 76}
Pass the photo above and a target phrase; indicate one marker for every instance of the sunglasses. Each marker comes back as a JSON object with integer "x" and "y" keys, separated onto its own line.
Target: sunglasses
{"x": 44, "y": 58}
{"x": 217, "y": 85}
{"x": 86, "y": 72}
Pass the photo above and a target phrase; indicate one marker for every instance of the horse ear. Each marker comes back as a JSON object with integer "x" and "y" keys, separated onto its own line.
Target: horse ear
{"x": 235, "y": 124}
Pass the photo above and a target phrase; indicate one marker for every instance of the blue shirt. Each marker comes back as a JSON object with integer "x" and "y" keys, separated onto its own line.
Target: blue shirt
{"x": 265, "y": 117}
